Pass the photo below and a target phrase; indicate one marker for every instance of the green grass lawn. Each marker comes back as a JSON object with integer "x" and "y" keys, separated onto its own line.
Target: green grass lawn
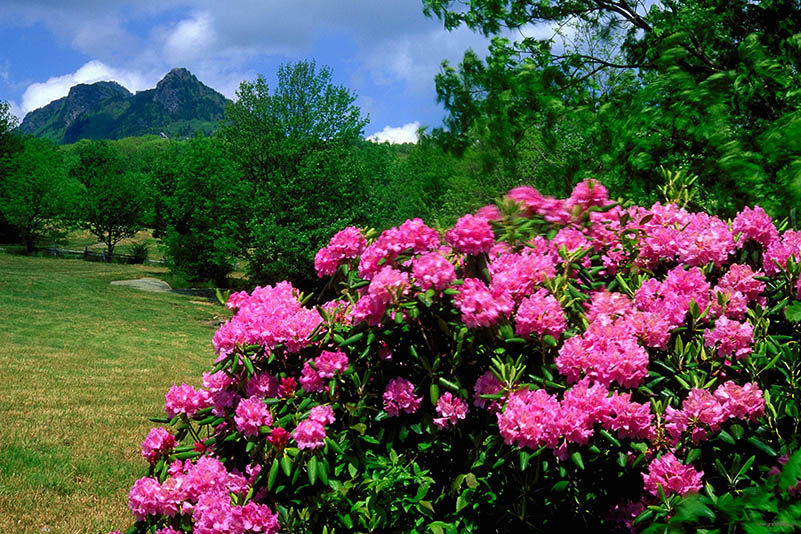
{"x": 82, "y": 366}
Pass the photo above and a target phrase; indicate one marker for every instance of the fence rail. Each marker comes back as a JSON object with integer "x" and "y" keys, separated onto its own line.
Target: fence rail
{"x": 91, "y": 255}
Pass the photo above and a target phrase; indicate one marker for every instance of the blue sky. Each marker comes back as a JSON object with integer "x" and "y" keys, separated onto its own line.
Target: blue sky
{"x": 386, "y": 51}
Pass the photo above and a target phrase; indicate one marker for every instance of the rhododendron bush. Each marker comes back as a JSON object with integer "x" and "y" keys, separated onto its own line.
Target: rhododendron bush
{"x": 545, "y": 362}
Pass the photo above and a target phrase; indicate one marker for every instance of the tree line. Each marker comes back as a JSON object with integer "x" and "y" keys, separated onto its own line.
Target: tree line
{"x": 286, "y": 169}
{"x": 689, "y": 100}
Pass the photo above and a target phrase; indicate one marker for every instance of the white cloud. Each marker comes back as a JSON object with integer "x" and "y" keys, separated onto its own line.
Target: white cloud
{"x": 191, "y": 39}
{"x": 40, "y": 94}
{"x": 395, "y": 136}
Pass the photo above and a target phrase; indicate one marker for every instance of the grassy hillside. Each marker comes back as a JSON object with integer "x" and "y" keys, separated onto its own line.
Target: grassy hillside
{"x": 82, "y": 366}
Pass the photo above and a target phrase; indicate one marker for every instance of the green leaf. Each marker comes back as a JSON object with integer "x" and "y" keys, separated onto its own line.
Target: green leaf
{"x": 322, "y": 472}
{"x": 311, "y": 470}
{"x": 762, "y": 446}
{"x": 609, "y": 437}
{"x": 286, "y": 465}
{"x": 461, "y": 502}
{"x": 471, "y": 481}
{"x": 560, "y": 486}
{"x": 273, "y": 474}
{"x": 576, "y": 457}
{"x": 725, "y": 436}
{"x": 549, "y": 340}
{"x": 793, "y": 312}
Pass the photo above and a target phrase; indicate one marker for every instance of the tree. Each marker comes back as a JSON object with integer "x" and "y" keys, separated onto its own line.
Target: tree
{"x": 296, "y": 149}
{"x": 200, "y": 199}
{"x": 9, "y": 145}
{"x": 623, "y": 87}
{"x": 37, "y": 197}
{"x": 115, "y": 200}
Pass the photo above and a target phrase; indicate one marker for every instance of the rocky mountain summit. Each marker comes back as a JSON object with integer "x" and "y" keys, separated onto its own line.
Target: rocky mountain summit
{"x": 177, "y": 107}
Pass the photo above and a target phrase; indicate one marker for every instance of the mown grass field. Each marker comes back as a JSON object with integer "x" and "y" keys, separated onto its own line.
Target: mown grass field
{"x": 82, "y": 366}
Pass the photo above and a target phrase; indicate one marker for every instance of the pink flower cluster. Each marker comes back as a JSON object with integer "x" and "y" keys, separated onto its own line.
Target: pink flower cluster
{"x": 585, "y": 195}
{"x": 487, "y": 384}
{"x": 326, "y": 366}
{"x": 517, "y": 275}
{"x": 754, "y": 224}
{"x": 703, "y": 410}
{"x": 731, "y": 338}
{"x": 450, "y": 409}
{"x": 310, "y": 433}
{"x": 251, "y": 414}
{"x": 202, "y": 491}
{"x": 433, "y": 270}
{"x": 540, "y": 314}
{"x": 412, "y": 236}
{"x": 674, "y": 477}
{"x": 780, "y": 250}
{"x": 471, "y": 235}
{"x": 269, "y": 317}
{"x": 399, "y": 397}
{"x": 606, "y": 354}
{"x": 479, "y": 305}
{"x": 346, "y": 244}
{"x": 158, "y": 444}
{"x": 534, "y": 418}
{"x": 184, "y": 399}
{"x": 386, "y": 287}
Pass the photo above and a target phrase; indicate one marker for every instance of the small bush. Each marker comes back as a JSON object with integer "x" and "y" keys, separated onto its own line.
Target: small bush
{"x": 139, "y": 252}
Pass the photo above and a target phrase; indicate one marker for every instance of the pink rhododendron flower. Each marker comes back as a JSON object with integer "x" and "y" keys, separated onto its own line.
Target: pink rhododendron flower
{"x": 540, "y": 314}
{"x": 287, "y": 387}
{"x": 780, "y": 250}
{"x": 741, "y": 402}
{"x": 278, "y": 437}
{"x": 263, "y": 385}
{"x": 607, "y": 307}
{"x": 399, "y": 396}
{"x": 252, "y": 413}
{"x": 517, "y": 275}
{"x": 432, "y": 270}
{"x": 310, "y": 379}
{"x": 330, "y": 363}
{"x": 672, "y": 475}
{"x": 471, "y": 235}
{"x": 582, "y": 406}
{"x": 347, "y": 243}
{"x": 158, "y": 443}
{"x": 450, "y": 409}
{"x": 479, "y": 306}
{"x": 606, "y": 354}
{"x": 629, "y": 419}
{"x": 412, "y": 236}
{"x": 323, "y": 414}
{"x": 531, "y": 419}
{"x": 309, "y": 434}
{"x": 148, "y": 498}
{"x": 754, "y": 223}
{"x": 184, "y": 399}
{"x": 730, "y": 337}
{"x": 585, "y": 195}
{"x": 489, "y": 212}
{"x": 167, "y": 530}
{"x": 269, "y": 317}
{"x": 487, "y": 384}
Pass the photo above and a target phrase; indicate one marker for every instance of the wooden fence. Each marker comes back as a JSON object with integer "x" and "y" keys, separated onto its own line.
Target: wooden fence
{"x": 91, "y": 255}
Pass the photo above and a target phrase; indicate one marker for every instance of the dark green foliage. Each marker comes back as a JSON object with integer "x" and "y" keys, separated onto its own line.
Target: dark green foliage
{"x": 297, "y": 149}
{"x": 708, "y": 87}
{"x": 114, "y": 203}
{"x": 37, "y": 197}
{"x": 179, "y": 106}
{"x": 200, "y": 209}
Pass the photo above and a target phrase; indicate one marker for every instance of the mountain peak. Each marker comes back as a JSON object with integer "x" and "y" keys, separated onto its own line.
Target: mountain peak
{"x": 180, "y": 104}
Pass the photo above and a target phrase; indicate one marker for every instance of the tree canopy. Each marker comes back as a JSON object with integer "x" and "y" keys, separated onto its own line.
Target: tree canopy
{"x": 623, "y": 87}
